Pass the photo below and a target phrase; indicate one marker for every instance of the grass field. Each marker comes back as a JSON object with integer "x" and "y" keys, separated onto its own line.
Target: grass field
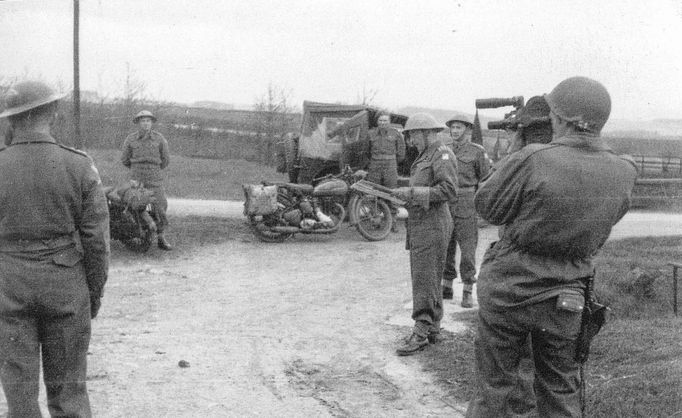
{"x": 635, "y": 366}
{"x": 192, "y": 178}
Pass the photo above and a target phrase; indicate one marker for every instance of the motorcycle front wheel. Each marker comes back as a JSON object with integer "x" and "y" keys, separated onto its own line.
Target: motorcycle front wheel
{"x": 373, "y": 217}
{"x": 140, "y": 244}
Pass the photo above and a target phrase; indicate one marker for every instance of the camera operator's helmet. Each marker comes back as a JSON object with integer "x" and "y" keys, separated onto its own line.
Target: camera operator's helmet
{"x": 460, "y": 117}
{"x": 28, "y": 95}
{"x": 144, "y": 114}
{"x": 422, "y": 121}
{"x": 581, "y": 101}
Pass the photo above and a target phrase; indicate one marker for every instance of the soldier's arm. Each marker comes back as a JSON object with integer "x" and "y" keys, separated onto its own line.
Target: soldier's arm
{"x": 93, "y": 229}
{"x": 126, "y": 153}
{"x": 400, "y": 148}
{"x": 499, "y": 197}
{"x": 165, "y": 153}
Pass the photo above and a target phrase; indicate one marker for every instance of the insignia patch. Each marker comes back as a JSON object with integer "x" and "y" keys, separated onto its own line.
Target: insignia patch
{"x": 445, "y": 157}
{"x": 92, "y": 166}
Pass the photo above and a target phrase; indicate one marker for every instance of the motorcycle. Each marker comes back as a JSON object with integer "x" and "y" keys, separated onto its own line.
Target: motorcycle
{"x": 277, "y": 211}
{"x": 132, "y": 219}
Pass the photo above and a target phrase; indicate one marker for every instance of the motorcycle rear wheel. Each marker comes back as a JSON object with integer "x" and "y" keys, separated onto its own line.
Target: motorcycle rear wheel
{"x": 260, "y": 229}
{"x": 374, "y": 218}
{"x": 140, "y": 244}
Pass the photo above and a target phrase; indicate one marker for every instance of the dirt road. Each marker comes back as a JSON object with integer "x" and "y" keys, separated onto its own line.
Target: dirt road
{"x": 304, "y": 328}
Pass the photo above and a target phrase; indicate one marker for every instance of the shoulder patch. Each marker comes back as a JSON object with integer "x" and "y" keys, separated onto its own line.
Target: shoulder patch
{"x": 445, "y": 156}
{"x": 74, "y": 150}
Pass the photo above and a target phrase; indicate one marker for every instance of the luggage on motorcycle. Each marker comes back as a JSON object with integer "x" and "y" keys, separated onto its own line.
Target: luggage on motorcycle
{"x": 136, "y": 197}
{"x": 260, "y": 199}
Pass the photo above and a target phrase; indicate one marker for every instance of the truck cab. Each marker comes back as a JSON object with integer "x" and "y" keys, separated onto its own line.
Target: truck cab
{"x": 335, "y": 135}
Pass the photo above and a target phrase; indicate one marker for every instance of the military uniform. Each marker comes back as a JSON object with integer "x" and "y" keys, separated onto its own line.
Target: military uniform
{"x": 54, "y": 253}
{"x": 146, "y": 154}
{"x": 433, "y": 177}
{"x": 387, "y": 148}
{"x": 472, "y": 166}
{"x": 558, "y": 203}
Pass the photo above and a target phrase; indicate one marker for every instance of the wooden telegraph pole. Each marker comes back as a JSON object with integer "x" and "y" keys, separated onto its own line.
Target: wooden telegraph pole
{"x": 76, "y": 79}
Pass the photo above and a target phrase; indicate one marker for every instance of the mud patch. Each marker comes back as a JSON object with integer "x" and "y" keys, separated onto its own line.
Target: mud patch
{"x": 332, "y": 388}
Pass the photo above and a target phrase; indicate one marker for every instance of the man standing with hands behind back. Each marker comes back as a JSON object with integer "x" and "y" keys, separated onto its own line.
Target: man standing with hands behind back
{"x": 54, "y": 259}
{"x": 146, "y": 154}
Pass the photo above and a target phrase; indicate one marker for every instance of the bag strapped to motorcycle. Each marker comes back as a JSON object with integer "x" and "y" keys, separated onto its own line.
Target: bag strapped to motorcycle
{"x": 593, "y": 318}
{"x": 260, "y": 199}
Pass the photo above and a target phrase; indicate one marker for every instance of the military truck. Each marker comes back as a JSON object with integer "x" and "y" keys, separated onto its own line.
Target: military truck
{"x": 333, "y": 136}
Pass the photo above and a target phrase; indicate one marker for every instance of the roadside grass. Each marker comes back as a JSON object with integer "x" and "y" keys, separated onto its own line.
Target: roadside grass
{"x": 635, "y": 365}
{"x": 192, "y": 178}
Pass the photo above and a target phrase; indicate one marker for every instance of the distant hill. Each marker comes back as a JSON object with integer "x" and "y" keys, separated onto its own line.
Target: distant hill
{"x": 442, "y": 115}
{"x": 655, "y": 128}
{"x": 207, "y": 104}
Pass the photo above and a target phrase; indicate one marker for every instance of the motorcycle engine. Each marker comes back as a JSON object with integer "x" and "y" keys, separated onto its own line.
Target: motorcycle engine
{"x": 293, "y": 217}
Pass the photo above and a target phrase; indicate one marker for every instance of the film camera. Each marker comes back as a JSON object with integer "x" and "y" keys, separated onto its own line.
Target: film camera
{"x": 536, "y": 111}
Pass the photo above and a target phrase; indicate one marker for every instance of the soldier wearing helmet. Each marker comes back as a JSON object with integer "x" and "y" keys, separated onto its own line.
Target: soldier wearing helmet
{"x": 54, "y": 255}
{"x": 557, "y": 203}
{"x": 146, "y": 154}
{"x": 433, "y": 183}
{"x": 472, "y": 166}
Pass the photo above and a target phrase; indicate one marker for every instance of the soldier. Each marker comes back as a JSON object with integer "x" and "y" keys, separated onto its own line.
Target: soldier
{"x": 433, "y": 183}
{"x": 387, "y": 149}
{"x": 558, "y": 203}
{"x": 145, "y": 152}
{"x": 54, "y": 253}
{"x": 472, "y": 166}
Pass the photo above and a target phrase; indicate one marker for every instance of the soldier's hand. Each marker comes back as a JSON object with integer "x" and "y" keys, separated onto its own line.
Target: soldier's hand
{"x": 95, "y": 303}
{"x": 403, "y": 193}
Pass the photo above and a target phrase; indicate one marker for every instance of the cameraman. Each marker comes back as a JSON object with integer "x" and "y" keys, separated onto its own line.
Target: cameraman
{"x": 558, "y": 203}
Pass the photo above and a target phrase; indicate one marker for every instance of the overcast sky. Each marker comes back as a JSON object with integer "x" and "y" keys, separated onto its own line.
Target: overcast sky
{"x": 440, "y": 54}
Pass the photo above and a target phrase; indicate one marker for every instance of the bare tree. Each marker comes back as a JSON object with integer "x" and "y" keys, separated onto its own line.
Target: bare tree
{"x": 273, "y": 120}
{"x": 367, "y": 96}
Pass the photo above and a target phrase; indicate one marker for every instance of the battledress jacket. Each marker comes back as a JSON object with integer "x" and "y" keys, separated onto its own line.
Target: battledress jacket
{"x": 52, "y": 205}
{"x": 558, "y": 203}
{"x": 433, "y": 176}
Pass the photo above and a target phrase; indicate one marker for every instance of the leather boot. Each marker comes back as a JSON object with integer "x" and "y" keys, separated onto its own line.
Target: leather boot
{"x": 447, "y": 292}
{"x": 467, "y": 300}
{"x": 412, "y": 345}
{"x": 163, "y": 244}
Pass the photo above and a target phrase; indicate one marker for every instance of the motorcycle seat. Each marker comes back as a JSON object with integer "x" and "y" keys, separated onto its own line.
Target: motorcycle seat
{"x": 302, "y": 188}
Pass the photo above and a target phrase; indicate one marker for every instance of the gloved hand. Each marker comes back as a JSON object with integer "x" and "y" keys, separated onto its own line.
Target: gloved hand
{"x": 402, "y": 193}
{"x": 95, "y": 304}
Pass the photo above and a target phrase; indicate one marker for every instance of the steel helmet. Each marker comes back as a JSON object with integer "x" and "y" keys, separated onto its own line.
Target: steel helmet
{"x": 582, "y": 101}
{"x": 28, "y": 95}
{"x": 460, "y": 117}
{"x": 422, "y": 121}
{"x": 144, "y": 114}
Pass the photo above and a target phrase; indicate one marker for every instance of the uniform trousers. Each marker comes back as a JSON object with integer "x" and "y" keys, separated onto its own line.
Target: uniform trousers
{"x": 152, "y": 179}
{"x": 464, "y": 233}
{"x": 428, "y": 234}
{"x": 44, "y": 315}
{"x": 384, "y": 172}
{"x": 500, "y": 347}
